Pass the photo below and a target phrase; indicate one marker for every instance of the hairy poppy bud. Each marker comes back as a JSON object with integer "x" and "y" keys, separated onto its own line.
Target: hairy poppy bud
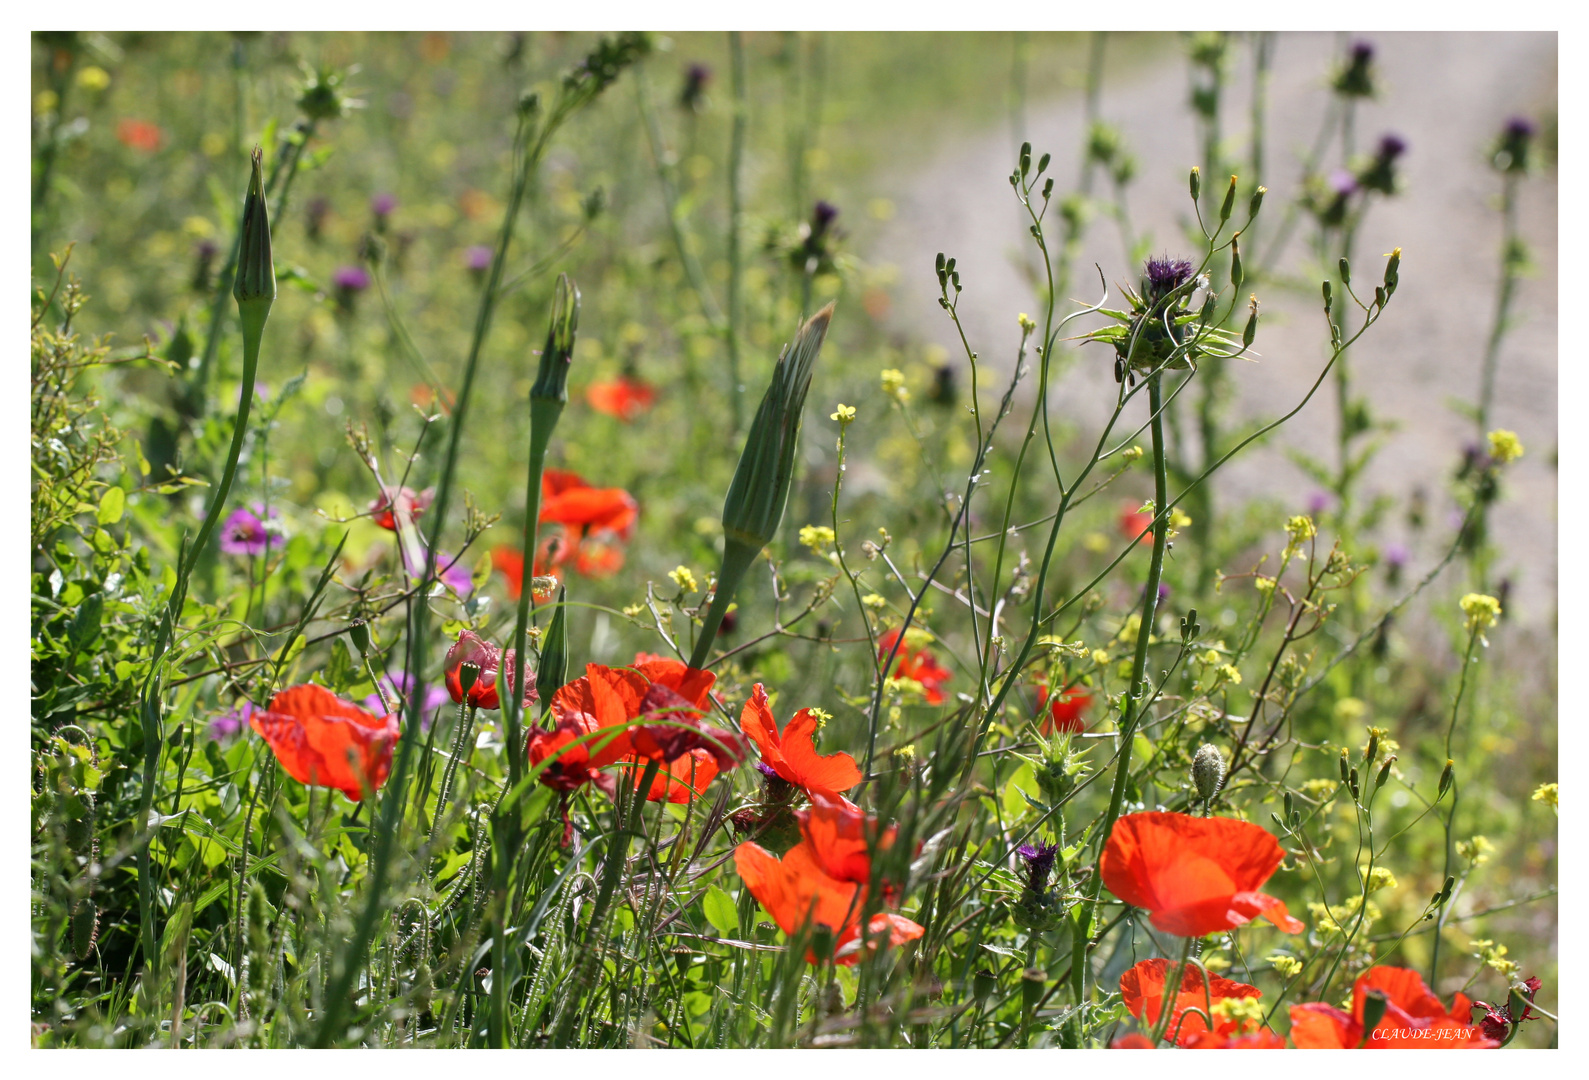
{"x": 359, "y": 631}
{"x": 983, "y": 983}
{"x": 1208, "y": 771}
{"x": 551, "y": 379}
{"x": 254, "y": 287}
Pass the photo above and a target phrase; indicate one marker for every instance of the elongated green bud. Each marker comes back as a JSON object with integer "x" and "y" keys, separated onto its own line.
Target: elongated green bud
{"x": 1196, "y": 183}
{"x": 553, "y": 670}
{"x": 1230, "y": 201}
{"x": 1250, "y": 331}
{"x": 1257, "y": 201}
{"x": 1346, "y": 271}
{"x": 1384, "y": 771}
{"x": 254, "y": 287}
{"x": 1446, "y": 776}
{"x": 551, "y": 378}
{"x": 759, "y": 492}
{"x": 1236, "y": 273}
{"x": 1393, "y": 272}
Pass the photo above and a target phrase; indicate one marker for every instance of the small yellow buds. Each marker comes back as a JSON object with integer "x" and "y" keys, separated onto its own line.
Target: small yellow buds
{"x": 844, "y": 414}
{"x": 684, "y": 579}
{"x": 1245, "y": 1013}
{"x": 816, "y": 537}
{"x": 1476, "y": 850}
{"x": 1379, "y": 878}
{"x": 1299, "y": 528}
{"x": 873, "y": 601}
{"x": 1230, "y": 674}
{"x": 1482, "y": 611}
{"x": 633, "y": 610}
{"x": 1547, "y": 794}
{"x": 1504, "y": 446}
{"x": 1026, "y": 323}
{"x": 1286, "y": 966}
{"x": 1131, "y": 453}
{"x": 1212, "y": 656}
{"x": 1263, "y": 584}
{"x": 893, "y": 382}
{"x": 822, "y": 716}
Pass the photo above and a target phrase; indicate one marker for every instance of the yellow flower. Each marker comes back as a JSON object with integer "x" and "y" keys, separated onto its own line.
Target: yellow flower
{"x": 1095, "y": 542}
{"x": 1178, "y": 520}
{"x": 1476, "y": 850}
{"x": 1212, "y": 656}
{"x": 1131, "y": 453}
{"x": 633, "y": 610}
{"x": 1025, "y": 322}
{"x": 1504, "y": 446}
{"x": 845, "y": 413}
{"x": 873, "y": 601}
{"x": 93, "y": 78}
{"x": 1545, "y": 793}
{"x": 1230, "y": 673}
{"x": 1482, "y": 611}
{"x": 1299, "y": 528}
{"x": 1263, "y": 584}
{"x": 1246, "y": 1013}
{"x": 1381, "y": 878}
{"x": 893, "y": 381}
{"x": 684, "y": 579}
{"x": 816, "y": 537}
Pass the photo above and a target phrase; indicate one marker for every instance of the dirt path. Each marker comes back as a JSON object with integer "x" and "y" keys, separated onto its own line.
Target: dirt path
{"x": 1447, "y": 95}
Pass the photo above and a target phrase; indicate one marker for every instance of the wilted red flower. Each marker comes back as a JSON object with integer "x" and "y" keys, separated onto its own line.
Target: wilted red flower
{"x": 139, "y": 135}
{"x": 601, "y": 698}
{"x": 470, "y": 648}
{"x": 324, "y": 741}
{"x": 791, "y": 754}
{"x": 676, "y": 700}
{"x": 624, "y": 397}
{"x": 1133, "y": 521}
{"x": 1142, "y": 989}
{"x": 1412, "y": 1012}
{"x": 918, "y": 664}
{"x": 797, "y": 893}
{"x": 1498, "y": 1019}
{"x": 1064, "y": 709}
{"x": 567, "y": 499}
{"x": 387, "y": 507}
{"x": 1197, "y": 876}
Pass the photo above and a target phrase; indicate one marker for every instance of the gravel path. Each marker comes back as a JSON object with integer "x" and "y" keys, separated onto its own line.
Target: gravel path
{"x": 1447, "y": 95}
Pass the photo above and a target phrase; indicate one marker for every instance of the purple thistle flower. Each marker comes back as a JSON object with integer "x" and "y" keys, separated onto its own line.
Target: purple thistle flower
{"x": 1342, "y": 182}
{"x": 1165, "y": 274}
{"x": 1362, "y": 51}
{"x": 1039, "y": 859}
{"x": 229, "y": 725}
{"x": 383, "y": 204}
{"x": 822, "y": 216}
{"x": 1391, "y": 147}
{"x": 767, "y": 770}
{"x": 1319, "y": 502}
{"x": 1520, "y": 127}
{"x": 696, "y": 76}
{"x": 398, "y": 686}
{"x": 245, "y": 532}
{"x": 478, "y": 258}
{"x": 1396, "y": 555}
{"x": 351, "y": 279}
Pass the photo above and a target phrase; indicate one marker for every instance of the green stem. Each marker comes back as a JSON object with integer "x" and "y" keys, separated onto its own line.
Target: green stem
{"x": 737, "y": 557}
{"x": 1451, "y": 728}
{"x": 736, "y": 156}
{"x": 544, "y": 414}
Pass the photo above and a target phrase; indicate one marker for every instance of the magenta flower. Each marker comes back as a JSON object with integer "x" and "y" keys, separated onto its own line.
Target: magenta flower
{"x": 478, "y": 258}
{"x": 383, "y": 204}
{"x": 229, "y": 725}
{"x": 245, "y": 532}
{"x": 398, "y": 687}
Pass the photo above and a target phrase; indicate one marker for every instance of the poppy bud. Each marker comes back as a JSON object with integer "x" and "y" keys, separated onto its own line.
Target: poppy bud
{"x": 1197, "y": 183}
{"x": 822, "y": 941}
{"x": 1374, "y": 1004}
{"x": 551, "y": 379}
{"x": 359, "y": 632}
{"x": 254, "y": 286}
{"x": 983, "y": 983}
{"x": 1230, "y": 201}
{"x": 85, "y": 929}
{"x": 1031, "y": 988}
{"x": 1208, "y": 771}
{"x": 467, "y": 675}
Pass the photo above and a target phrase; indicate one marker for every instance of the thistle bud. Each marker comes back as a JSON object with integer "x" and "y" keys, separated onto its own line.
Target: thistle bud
{"x": 1197, "y": 183}
{"x": 1230, "y": 201}
{"x": 551, "y": 380}
{"x": 1208, "y": 771}
{"x": 254, "y": 287}
{"x": 1257, "y": 201}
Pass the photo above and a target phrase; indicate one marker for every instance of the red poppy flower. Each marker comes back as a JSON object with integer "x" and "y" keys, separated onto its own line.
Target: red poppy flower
{"x": 568, "y": 500}
{"x": 139, "y": 135}
{"x": 680, "y": 780}
{"x": 1064, "y": 709}
{"x": 570, "y": 766}
{"x": 919, "y": 664}
{"x": 1257, "y": 1040}
{"x": 388, "y": 507}
{"x": 796, "y": 893}
{"x": 679, "y": 727}
{"x": 835, "y": 830}
{"x": 1133, "y": 521}
{"x": 470, "y": 648}
{"x": 1142, "y": 989}
{"x": 791, "y": 753}
{"x": 1413, "y": 1017}
{"x": 597, "y": 559}
{"x": 624, "y": 397}
{"x": 1197, "y": 876}
{"x": 324, "y": 741}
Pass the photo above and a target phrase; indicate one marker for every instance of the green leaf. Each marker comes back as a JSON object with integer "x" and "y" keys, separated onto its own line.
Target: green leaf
{"x": 720, "y": 910}
{"x": 111, "y": 504}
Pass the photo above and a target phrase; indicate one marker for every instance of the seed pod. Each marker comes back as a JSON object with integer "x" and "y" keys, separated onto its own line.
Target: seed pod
{"x": 983, "y": 983}
{"x": 1032, "y": 987}
{"x": 359, "y": 632}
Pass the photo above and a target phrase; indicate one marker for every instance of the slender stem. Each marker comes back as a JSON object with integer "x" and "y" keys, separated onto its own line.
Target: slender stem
{"x": 1451, "y": 728}
{"x": 736, "y": 157}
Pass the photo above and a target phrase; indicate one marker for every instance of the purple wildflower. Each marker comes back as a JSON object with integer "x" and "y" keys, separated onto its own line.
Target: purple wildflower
{"x": 1391, "y": 146}
{"x": 398, "y": 687}
{"x": 1396, "y": 555}
{"x": 351, "y": 278}
{"x": 1342, "y": 182}
{"x": 1164, "y": 274}
{"x": 766, "y": 770}
{"x": 229, "y": 725}
{"x": 1519, "y": 127}
{"x": 1039, "y": 859}
{"x": 478, "y": 258}
{"x": 1318, "y": 502}
{"x": 245, "y": 532}
{"x": 1511, "y": 154}
{"x": 822, "y": 216}
{"x": 454, "y": 574}
{"x": 383, "y": 204}
{"x": 1362, "y": 51}
{"x": 696, "y": 76}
